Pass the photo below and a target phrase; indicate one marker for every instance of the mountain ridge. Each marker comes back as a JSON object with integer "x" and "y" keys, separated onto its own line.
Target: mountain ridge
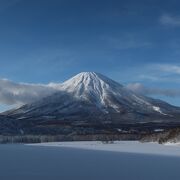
{"x": 89, "y": 106}
{"x": 97, "y": 91}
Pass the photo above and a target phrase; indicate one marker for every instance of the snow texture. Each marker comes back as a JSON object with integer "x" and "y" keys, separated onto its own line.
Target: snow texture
{"x": 94, "y": 93}
{"x": 120, "y": 146}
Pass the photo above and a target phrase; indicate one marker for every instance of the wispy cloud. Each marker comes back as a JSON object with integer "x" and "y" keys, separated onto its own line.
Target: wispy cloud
{"x": 159, "y": 73}
{"x": 175, "y": 69}
{"x": 20, "y": 93}
{"x": 12, "y": 93}
{"x": 141, "y": 89}
{"x": 167, "y": 19}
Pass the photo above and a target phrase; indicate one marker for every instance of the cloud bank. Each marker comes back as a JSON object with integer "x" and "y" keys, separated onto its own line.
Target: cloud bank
{"x": 141, "y": 89}
{"x": 20, "y": 93}
{"x": 12, "y": 93}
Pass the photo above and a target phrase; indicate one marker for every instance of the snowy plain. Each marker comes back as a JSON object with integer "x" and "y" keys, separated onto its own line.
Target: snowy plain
{"x": 89, "y": 161}
{"x": 169, "y": 149}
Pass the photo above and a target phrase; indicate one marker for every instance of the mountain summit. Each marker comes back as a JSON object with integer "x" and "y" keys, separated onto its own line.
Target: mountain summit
{"x": 93, "y": 88}
{"x": 93, "y": 97}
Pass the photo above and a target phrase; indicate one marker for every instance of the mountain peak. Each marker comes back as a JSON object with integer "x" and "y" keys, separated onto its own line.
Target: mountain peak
{"x": 91, "y": 86}
{"x": 91, "y": 75}
{"x": 89, "y": 82}
{"x": 87, "y": 73}
{"x": 94, "y": 97}
{"x": 90, "y": 79}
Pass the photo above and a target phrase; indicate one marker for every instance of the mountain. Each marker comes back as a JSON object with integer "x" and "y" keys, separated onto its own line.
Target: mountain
{"x": 91, "y": 102}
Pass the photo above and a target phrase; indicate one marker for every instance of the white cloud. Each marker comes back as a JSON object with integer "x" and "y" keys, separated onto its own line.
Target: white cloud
{"x": 140, "y": 88}
{"x": 175, "y": 69}
{"x": 12, "y": 93}
{"x": 163, "y": 72}
{"x": 167, "y": 19}
{"x": 20, "y": 93}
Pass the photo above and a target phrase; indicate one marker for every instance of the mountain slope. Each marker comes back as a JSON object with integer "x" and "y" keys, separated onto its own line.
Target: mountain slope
{"x": 93, "y": 97}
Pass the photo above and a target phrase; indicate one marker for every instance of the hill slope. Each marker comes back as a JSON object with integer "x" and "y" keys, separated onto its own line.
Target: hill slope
{"x": 92, "y": 103}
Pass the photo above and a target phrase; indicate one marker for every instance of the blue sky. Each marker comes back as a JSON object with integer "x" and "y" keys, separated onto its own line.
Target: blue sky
{"x": 44, "y": 41}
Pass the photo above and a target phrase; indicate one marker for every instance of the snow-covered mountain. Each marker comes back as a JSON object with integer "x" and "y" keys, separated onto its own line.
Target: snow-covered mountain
{"x": 93, "y": 97}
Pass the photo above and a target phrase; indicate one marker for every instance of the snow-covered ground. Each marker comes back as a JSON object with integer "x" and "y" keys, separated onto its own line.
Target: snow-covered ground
{"x": 36, "y": 162}
{"x": 120, "y": 146}
{"x": 173, "y": 144}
